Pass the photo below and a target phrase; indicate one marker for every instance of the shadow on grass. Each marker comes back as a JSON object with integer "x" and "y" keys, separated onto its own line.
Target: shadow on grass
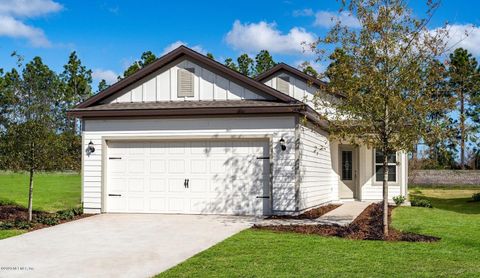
{"x": 459, "y": 205}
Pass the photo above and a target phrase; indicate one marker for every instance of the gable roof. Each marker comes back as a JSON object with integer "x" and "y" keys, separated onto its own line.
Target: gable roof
{"x": 282, "y": 67}
{"x": 183, "y": 51}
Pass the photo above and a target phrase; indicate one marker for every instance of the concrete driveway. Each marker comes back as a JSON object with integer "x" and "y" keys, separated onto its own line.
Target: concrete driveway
{"x": 115, "y": 245}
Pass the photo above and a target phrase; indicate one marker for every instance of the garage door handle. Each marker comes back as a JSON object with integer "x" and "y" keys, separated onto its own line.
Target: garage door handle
{"x": 114, "y": 158}
{"x": 263, "y": 197}
{"x": 117, "y": 195}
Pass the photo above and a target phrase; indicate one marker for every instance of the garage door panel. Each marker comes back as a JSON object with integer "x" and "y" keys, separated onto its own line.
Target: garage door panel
{"x": 198, "y": 166}
{"x": 158, "y": 185}
{"x": 157, "y": 166}
{"x": 136, "y": 166}
{"x": 225, "y": 177}
{"x": 136, "y": 184}
{"x": 117, "y": 185}
{"x": 158, "y": 204}
{"x": 136, "y": 204}
{"x": 176, "y": 166}
{"x": 176, "y": 204}
{"x": 176, "y": 185}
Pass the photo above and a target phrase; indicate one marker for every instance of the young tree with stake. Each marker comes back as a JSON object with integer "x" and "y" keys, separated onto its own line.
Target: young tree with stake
{"x": 383, "y": 69}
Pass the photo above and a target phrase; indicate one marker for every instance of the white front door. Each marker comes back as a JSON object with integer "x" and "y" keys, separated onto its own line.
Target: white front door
{"x": 348, "y": 172}
{"x": 199, "y": 177}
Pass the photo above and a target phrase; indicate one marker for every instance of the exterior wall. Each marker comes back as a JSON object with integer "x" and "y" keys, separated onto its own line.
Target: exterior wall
{"x": 316, "y": 179}
{"x": 282, "y": 162}
{"x": 305, "y": 92}
{"x": 367, "y": 187}
{"x": 162, "y": 86}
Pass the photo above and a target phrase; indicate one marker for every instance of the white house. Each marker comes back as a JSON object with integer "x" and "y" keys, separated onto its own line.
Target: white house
{"x": 188, "y": 135}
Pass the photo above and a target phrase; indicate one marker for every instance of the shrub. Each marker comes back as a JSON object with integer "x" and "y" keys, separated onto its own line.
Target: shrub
{"x": 49, "y": 220}
{"x": 17, "y": 224}
{"x": 69, "y": 214}
{"x": 399, "y": 200}
{"x": 421, "y": 203}
{"x": 476, "y": 197}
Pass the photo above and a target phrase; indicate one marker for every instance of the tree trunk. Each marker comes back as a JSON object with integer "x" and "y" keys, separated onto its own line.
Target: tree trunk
{"x": 385, "y": 193}
{"x": 30, "y": 195}
{"x": 462, "y": 131}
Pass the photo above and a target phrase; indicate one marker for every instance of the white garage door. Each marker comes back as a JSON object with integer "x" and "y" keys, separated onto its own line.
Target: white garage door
{"x": 198, "y": 177}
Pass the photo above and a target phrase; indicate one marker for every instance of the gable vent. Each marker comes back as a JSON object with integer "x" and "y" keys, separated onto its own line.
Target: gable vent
{"x": 185, "y": 82}
{"x": 283, "y": 84}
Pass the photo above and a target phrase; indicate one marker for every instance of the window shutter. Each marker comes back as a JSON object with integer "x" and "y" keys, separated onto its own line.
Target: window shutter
{"x": 185, "y": 82}
{"x": 283, "y": 84}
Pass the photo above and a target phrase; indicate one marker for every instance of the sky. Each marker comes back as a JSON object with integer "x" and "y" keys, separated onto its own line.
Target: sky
{"x": 109, "y": 35}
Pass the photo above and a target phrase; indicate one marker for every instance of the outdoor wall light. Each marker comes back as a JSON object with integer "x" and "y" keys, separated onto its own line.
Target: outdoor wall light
{"x": 90, "y": 148}
{"x": 282, "y": 144}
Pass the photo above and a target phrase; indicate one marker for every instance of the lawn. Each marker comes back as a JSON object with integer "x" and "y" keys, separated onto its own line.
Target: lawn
{"x": 255, "y": 253}
{"x": 52, "y": 192}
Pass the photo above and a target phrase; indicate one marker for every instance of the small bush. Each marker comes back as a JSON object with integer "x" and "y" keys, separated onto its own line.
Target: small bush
{"x": 49, "y": 220}
{"x": 476, "y": 197}
{"x": 399, "y": 200}
{"x": 17, "y": 224}
{"x": 65, "y": 214}
{"x": 421, "y": 203}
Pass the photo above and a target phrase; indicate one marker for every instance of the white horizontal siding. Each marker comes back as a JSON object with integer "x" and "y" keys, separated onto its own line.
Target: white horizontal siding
{"x": 162, "y": 86}
{"x": 283, "y": 162}
{"x": 315, "y": 168}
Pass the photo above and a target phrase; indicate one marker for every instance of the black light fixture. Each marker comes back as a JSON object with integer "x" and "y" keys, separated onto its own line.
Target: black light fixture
{"x": 282, "y": 144}
{"x": 90, "y": 148}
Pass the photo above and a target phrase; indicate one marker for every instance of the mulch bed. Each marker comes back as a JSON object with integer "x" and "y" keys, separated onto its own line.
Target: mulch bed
{"x": 14, "y": 213}
{"x": 367, "y": 226}
{"x": 310, "y": 214}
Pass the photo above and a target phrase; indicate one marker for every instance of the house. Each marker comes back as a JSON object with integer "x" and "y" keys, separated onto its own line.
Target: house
{"x": 186, "y": 134}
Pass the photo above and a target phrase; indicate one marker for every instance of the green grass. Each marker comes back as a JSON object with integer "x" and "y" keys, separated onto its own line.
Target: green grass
{"x": 255, "y": 253}
{"x": 51, "y": 191}
{"x": 10, "y": 233}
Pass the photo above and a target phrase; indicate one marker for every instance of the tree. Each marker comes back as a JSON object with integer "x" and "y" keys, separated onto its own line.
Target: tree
{"x": 33, "y": 120}
{"x": 263, "y": 62}
{"x": 147, "y": 58}
{"x": 465, "y": 85}
{"x": 77, "y": 81}
{"x": 245, "y": 65}
{"x": 210, "y": 55}
{"x": 308, "y": 69}
{"x": 102, "y": 85}
{"x": 382, "y": 69}
{"x": 231, "y": 64}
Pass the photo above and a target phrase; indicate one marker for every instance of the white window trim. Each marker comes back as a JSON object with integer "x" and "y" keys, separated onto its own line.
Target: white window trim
{"x": 397, "y": 171}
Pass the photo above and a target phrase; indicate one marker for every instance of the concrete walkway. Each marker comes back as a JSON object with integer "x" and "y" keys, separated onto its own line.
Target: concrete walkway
{"x": 343, "y": 216}
{"x": 115, "y": 245}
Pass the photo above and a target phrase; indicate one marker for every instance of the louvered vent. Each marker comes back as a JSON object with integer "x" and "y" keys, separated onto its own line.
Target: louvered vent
{"x": 185, "y": 82}
{"x": 283, "y": 84}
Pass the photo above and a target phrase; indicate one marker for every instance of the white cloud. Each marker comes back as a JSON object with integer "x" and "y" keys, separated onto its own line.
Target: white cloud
{"x": 28, "y": 8}
{"x": 328, "y": 19}
{"x": 109, "y": 75}
{"x": 463, "y": 35}
{"x": 176, "y": 44}
{"x": 304, "y": 12}
{"x": 252, "y": 37}
{"x": 12, "y": 26}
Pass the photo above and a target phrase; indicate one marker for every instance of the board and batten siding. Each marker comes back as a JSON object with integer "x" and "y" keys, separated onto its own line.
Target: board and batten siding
{"x": 305, "y": 92}
{"x": 315, "y": 168}
{"x": 273, "y": 128}
{"x": 162, "y": 86}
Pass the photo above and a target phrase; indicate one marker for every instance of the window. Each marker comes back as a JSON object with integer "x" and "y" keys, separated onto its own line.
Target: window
{"x": 392, "y": 166}
{"x": 283, "y": 84}
{"x": 347, "y": 165}
{"x": 185, "y": 82}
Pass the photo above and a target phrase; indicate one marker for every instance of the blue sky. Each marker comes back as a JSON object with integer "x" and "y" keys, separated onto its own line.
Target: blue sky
{"x": 108, "y": 35}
